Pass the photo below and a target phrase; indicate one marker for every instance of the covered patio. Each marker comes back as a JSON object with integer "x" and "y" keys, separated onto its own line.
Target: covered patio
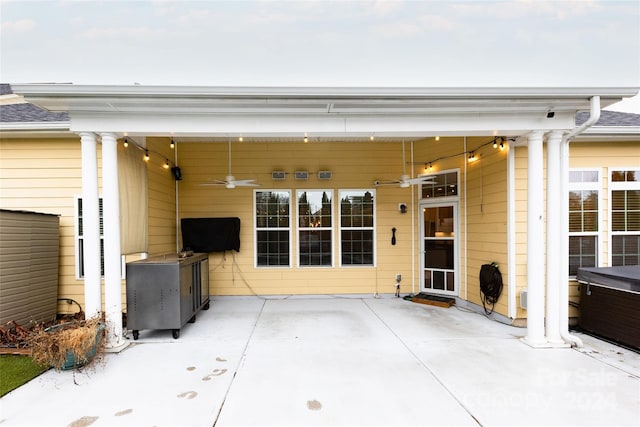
{"x": 507, "y": 227}
{"x": 338, "y": 360}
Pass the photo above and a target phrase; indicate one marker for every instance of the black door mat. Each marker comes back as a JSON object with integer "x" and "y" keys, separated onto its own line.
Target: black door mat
{"x": 437, "y": 300}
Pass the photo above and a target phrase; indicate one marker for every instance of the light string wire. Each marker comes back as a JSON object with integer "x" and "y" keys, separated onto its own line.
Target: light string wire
{"x": 499, "y": 140}
{"x": 128, "y": 141}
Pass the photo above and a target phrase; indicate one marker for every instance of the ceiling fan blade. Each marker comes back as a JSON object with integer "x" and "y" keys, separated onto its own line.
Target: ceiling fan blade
{"x": 379, "y": 183}
{"x": 420, "y": 180}
{"x": 246, "y": 183}
{"x": 214, "y": 182}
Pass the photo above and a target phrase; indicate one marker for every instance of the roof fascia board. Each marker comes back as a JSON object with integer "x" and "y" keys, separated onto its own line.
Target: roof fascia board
{"x": 53, "y": 90}
{"x": 35, "y": 126}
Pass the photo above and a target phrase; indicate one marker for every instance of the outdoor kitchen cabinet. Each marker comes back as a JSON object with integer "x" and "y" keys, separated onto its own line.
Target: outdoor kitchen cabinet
{"x": 166, "y": 292}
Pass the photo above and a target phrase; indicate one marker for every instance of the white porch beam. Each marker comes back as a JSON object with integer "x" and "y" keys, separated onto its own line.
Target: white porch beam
{"x": 336, "y": 125}
{"x": 535, "y": 242}
{"x": 90, "y": 225}
{"x": 112, "y": 254}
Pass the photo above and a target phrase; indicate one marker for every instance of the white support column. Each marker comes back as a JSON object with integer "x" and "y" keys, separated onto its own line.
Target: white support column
{"x": 555, "y": 277}
{"x": 112, "y": 255}
{"x": 90, "y": 225}
{"x": 535, "y": 242}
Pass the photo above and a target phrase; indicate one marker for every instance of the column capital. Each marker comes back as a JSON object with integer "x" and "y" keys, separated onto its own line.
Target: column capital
{"x": 555, "y": 135}
{"x": 535, "y": 135}
{"x": 85, "y": 135}
{"x": 108, "y": 136}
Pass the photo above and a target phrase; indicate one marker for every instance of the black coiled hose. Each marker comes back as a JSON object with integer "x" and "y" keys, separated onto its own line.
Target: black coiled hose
{"x": 490, "y": 286}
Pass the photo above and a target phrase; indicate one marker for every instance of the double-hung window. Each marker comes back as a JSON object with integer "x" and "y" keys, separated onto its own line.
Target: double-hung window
{"x": 273, "y": 228}
{"x": 583, "y": 219}
{"x": 357, "y": 222}
{"x": 80, "y": 238}
{"x": 315, "y": 228}
{"x": 625, "y": 217}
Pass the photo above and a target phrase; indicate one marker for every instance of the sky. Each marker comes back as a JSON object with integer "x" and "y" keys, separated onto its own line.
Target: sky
{"x": 425, "y": 43}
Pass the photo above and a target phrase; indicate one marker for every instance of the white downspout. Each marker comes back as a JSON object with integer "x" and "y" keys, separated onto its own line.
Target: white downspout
{"x": 564, "y": 187}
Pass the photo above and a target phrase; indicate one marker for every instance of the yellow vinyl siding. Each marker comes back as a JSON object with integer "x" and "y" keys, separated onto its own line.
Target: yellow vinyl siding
{"x": 161, "y": 199}
{"x": 486, "y": 216}
{"x": 355, "y": 165}
{"x": 603, "y": 156}
{"x": 44, "y": 175}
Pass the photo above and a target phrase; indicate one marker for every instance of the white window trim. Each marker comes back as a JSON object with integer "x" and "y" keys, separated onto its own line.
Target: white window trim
{"x": 597, "y": 186}
{"x": 299, "y": 229}
{"x": 78, "y": 238}
{"x": 442, "y": 198}
{"x": 373, "y": 228}
{"x": 255, "y": 231}
{"x": 613, "y": 186}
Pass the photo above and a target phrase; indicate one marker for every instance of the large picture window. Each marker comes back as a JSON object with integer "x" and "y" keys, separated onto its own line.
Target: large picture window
{"x": 273, "y": 228}
{"x": 315, "y": 228}
{"x": 583, "y": 219}
{"x": 625, "y": 217}
{"x": 357, "y": 221}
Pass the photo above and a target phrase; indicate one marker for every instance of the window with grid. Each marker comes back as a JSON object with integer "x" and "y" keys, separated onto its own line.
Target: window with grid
{"x": 583, "y": 219}
{"x": 315, "y": 228}
{"x": 273, "y": 228}
{"x": 625, "y": 217}
{"x": 80, "y": 239}
{"x": 442, "y": 185}
{"x": 357, "y": 220}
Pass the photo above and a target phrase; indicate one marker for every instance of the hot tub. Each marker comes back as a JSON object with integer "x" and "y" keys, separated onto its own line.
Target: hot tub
{"x": 610, "y": 303}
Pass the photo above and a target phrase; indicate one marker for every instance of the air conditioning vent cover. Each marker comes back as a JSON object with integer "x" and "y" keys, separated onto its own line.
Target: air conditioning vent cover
{"x": 278, "y": 175}
{"x": 325, "y": 174}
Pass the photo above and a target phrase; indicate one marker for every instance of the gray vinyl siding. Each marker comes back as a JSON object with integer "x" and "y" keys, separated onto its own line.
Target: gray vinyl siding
{"x": 29, "y": 258}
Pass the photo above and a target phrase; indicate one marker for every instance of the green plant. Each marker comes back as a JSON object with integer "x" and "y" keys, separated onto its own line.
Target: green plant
{"x": 16, "y": 370}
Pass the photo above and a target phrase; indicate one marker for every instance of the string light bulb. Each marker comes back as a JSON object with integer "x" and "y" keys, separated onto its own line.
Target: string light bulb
{"x": 125, "y": 144}
{"x": 306, "y": 138}
{"x": 240, "y": 138}
{"x": 371, "y": 137}
{"x": 430, "y": 166}
{"x": 495, "y": 144}
{"x": 172, "y": 144}
{"x": 501, "y": 146}
{"x": 166, "y": 164}
{"x": 437, "y": 138}
{"x": 146, "y": 155}
{"x": 472, "y": 157}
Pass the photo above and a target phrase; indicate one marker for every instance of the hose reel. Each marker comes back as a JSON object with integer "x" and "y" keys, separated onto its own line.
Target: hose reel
{"x": 490, "y": 286}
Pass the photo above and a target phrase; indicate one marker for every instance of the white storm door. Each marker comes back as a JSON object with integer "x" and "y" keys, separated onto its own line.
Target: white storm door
{"x": 439, "y": 260}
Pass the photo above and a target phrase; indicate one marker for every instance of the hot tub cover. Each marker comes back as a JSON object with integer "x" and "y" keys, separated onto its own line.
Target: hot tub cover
{"x": 624, "y": 278}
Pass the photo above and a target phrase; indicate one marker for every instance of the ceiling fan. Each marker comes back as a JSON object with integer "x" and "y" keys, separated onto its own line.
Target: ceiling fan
{"x": 230, "y": 181}
{"x": 405, "y": 180}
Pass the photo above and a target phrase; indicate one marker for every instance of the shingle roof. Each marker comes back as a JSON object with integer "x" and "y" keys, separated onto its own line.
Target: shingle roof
{"x": 13, "y": 113}
{"x": 610, "y": 118}
{"x": 25, "y": 112}
{"x": 5, "y": 89}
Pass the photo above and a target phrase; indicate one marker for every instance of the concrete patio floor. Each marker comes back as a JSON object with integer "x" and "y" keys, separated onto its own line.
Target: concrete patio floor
{"x": 337, "y": 361}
